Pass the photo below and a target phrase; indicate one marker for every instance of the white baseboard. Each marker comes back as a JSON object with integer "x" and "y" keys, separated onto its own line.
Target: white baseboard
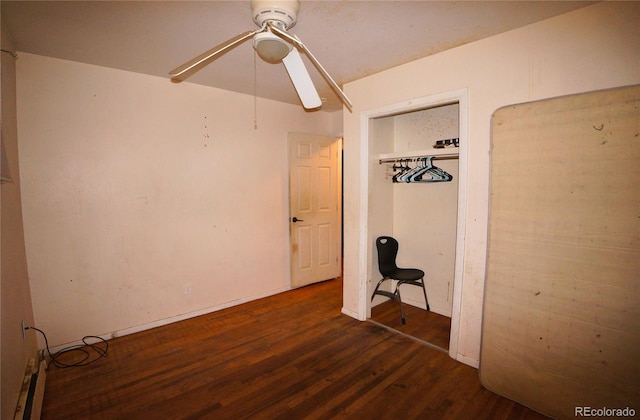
{"x": 468, "y": 360}
{"x": 351, "y": 313}
{"x": 171, "y": 320}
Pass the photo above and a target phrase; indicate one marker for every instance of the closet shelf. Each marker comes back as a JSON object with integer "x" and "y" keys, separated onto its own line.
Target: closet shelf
{"x": 446, "y": 153}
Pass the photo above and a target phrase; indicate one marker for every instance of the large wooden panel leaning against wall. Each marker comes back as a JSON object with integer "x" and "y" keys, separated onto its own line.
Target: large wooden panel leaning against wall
{"x": 561, "y": 322}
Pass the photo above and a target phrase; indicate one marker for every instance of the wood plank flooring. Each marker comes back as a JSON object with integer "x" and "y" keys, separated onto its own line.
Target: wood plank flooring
{"x": 424, "y": 325}
{"x": 289, "y": 356}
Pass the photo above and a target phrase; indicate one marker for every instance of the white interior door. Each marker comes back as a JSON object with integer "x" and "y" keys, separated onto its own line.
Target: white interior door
{"x": 314, "y": 208}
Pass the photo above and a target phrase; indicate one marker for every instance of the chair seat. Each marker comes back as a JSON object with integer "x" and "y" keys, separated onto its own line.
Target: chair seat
{"x": 407, "y": 274}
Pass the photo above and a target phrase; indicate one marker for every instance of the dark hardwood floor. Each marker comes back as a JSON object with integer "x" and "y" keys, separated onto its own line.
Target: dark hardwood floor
{"x": 289, "y": 356}
{"x": 424, "y": 325}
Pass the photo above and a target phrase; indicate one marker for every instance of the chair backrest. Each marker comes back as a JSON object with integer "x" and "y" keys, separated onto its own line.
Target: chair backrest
{"x": 387, "y": 252}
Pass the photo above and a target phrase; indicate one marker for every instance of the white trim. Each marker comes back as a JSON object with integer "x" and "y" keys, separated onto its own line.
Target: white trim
{"x": 340, "y": 204}
{"x": 171, "y": 320}
{"x": 460, "y": 96}
{"x": 468, "y": 361}
{"x": 363, "y": 266}
{"x": 351, "y": 313}
{"x": 289, "y": 215}
{"x": 463, "y": 188}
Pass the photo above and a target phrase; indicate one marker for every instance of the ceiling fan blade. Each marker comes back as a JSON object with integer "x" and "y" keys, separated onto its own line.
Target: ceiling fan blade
{"x": 187, "y": 69}
{"x": 296, "y": 41}
{"x": 301, "y": 80}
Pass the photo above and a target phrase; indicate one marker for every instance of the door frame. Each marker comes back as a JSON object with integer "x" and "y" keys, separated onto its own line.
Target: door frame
{"x": 460, "y": 96}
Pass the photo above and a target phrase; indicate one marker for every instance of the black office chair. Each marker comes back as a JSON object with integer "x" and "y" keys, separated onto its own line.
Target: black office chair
{"x": 387, "y": 252}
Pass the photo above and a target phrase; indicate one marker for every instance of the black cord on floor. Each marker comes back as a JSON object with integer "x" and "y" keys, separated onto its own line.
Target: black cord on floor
{"x": 99, "y": 349}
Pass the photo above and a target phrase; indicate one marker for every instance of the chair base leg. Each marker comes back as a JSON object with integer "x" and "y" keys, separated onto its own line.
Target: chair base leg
{"x": 424, "y": 290}
{"x": 397, "y": 293}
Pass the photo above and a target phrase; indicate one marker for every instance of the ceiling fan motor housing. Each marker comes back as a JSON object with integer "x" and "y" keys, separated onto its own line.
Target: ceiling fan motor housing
{"x": 284, "y": 12}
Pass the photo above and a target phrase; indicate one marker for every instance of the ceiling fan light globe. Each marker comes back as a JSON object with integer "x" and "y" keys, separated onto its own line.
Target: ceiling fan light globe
{"x": 271, "y": 48}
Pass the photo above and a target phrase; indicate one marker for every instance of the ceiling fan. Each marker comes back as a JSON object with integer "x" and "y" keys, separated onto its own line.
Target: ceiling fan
{"x": 273, "y": 44}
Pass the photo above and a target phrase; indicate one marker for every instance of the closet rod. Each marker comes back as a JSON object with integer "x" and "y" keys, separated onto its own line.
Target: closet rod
{"x": 416, "y": 158}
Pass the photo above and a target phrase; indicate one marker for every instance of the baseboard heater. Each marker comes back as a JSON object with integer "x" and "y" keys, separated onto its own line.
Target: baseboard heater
{"x": 32, "y": 392}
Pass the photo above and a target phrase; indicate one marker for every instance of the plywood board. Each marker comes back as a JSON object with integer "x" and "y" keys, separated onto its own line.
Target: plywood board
{"x": 561, "y": 319}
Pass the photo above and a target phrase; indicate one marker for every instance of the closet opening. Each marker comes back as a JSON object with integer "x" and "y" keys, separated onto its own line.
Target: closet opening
{"x": 416, "y": 193}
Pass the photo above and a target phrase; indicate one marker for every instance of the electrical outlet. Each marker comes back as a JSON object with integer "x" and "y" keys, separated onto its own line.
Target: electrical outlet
{"x": 187, "y": 289}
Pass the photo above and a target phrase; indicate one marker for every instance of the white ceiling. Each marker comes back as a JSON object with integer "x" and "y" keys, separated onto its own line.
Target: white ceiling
{"x": 351, "y": 39}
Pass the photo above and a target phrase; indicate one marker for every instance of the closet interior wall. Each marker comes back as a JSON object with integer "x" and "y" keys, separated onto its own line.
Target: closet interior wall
{"x": 421, "y": 216}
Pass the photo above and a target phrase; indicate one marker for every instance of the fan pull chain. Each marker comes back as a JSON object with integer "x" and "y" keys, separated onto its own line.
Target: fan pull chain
{"x": 255, "y": 92}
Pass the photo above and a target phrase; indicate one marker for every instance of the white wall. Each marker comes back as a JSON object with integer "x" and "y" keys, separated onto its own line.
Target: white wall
{"x": 15, "y": 302}
{"x": 135, "y": 188}
{"x": 596, "y": 47}
{"x": 425, "y": 215}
